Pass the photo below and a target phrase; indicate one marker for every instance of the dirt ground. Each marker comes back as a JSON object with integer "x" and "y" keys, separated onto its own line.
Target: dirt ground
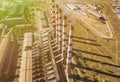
{"x": 99, "y": 57}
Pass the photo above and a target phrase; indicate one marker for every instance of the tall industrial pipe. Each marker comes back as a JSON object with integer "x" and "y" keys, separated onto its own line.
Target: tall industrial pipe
{"x": 59, "y": 29}
{"x": 52, "y": 7}
{"x": 64, "y": 52}
{"x": 69, "y": 52}
{"x": 56, "y": 20}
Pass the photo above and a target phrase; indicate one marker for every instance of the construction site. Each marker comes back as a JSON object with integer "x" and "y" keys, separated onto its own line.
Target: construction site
{"x": 59, "y": 41}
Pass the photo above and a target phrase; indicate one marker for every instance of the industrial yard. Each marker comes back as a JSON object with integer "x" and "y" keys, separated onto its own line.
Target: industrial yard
{"x": 60, "y": 41}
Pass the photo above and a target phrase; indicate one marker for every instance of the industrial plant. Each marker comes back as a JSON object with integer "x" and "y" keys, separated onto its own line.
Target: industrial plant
{"x": 59, "y": 40}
